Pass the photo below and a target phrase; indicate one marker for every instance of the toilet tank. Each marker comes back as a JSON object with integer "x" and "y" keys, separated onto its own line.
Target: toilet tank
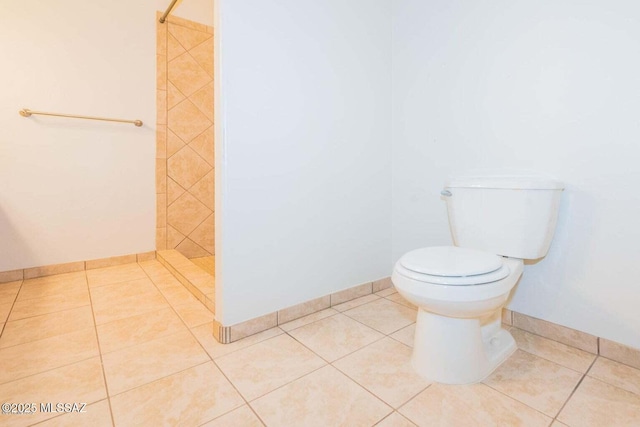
{"x": 514, "y": 216}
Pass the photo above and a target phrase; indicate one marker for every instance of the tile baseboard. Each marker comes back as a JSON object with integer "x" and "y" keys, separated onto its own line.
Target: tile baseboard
{"x": 228, "y": 334}
{"x": 70, "y": 267}
{"x": 571, "y": 337}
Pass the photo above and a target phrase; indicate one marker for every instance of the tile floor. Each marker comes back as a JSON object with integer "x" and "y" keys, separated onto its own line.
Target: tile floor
{"x": 136, "y": 347}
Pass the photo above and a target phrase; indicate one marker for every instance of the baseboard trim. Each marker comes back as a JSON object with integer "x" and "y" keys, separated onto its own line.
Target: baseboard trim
{"x": 228, "y": 334}
{"x": 574, "y": 338}
{"x": 70, "y": 267}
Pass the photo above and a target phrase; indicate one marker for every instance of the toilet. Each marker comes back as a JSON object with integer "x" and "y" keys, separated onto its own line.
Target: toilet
{"x": 496, "y": 223}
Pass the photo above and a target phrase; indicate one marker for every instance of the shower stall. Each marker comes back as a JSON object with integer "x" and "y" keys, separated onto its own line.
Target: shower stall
{"x": 185, "y": 138}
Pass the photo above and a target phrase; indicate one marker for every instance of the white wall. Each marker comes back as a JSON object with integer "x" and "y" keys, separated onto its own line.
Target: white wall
{"x": 548, "y": 86}
{"x": 72, "y": 189}
{"x": 303, "y": 186}
{"x": 194, "y": 10}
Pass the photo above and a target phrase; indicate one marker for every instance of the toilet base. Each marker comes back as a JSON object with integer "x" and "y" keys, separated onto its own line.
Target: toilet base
{"x": 457, "y": 350}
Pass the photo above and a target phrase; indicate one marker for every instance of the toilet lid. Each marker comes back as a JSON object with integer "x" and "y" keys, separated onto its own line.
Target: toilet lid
{"x": 451, "y": 265}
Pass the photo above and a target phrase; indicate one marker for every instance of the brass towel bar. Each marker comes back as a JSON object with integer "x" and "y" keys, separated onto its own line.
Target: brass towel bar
{"x": 25, "y": 112}
{"x": 166, "y": 13}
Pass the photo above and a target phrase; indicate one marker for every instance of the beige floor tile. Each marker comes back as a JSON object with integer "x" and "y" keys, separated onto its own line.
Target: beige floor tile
{"x": 121, "y": 290}
{"x": 597, "y": 404}
{"x": 308, "y": 319}
{"x": 46, "y": 326}
{"x": 115, "y": 274}
{"x": 39, "y": 356}
{"x": 95, "y": 415}
{"x": 155, "y": 270}
{"x": 396, "y": 297}
{"x": 178, "y": 295}
{"x": 5, "y": 309}
{"x": 134, "y": 366}
{"x": 52, "y": 285}
{"x": 187, "y": 398}
{"x": 194, "y": 313}
{"x": 405, "y": 335}
{"x": 383, "y": 315}
{"x": 204, "y": 334}
{"x": 138, "y": 329}
{"x": 557, "y": 423}
{"x": 335, "y": 336}
{"x": 355, "y": 302}
{"x": 395, "y": 420}
{"x": 323, "y": 398}
{"x": 569, "y": 357}
{"x": 50, "y": 304}
{"x": 8, "y": 292}
{"x": 469, "y": 405}
{"x": 109, "y": 310}
{"x": 167, "y": 281}
{"x": 241, "y": 417}
{"x": 80, "y": 382}
{"x": 384, "y": 368}
{"x": 534, "y": 381}
{"x": 263, "y": 367}
{"x": 616, "y": 374}
{"x": 45, "y": 290}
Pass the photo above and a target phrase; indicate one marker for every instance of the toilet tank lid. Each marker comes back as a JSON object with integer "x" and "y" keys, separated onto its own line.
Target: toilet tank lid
{"x": 510, "y": 182}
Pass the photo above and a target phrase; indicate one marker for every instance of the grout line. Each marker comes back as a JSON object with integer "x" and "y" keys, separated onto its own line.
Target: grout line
{"x": 362, "y": 323}
{"x": 160, "y": 378}
{"x": 13, "y": 304}
{"x": 310, "y": 323}
{"x": 292, "y": 381}
{"x": 175, "y": 105}
{"x": 189, "y": 28}
{"x": 591, "y": 366}
{"x": 574, "y": 390}
{"x": 511, "y": 397}
{"x": 365, "y": 388}
{"x": 95, "y": 329}
{"x": 414, "y": 396}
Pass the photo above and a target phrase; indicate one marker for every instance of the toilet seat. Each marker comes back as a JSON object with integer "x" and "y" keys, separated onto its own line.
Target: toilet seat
{"x": 452, "y": 265}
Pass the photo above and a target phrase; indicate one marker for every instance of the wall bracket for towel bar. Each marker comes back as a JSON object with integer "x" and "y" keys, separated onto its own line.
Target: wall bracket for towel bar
{"x": 167, "y": 12}
{"x": 25, "y": 112}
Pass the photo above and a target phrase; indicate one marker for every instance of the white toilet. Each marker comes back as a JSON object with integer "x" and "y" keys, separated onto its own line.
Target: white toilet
{"x": 496, "y": 223}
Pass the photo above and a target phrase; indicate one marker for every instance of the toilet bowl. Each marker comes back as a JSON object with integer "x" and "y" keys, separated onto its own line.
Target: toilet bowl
{"x": 496, "y": 221}
{"x": 459, "y": 293}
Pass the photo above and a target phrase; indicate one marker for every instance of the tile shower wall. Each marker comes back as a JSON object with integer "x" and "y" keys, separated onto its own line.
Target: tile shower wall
{"x": 184, "y": 155}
